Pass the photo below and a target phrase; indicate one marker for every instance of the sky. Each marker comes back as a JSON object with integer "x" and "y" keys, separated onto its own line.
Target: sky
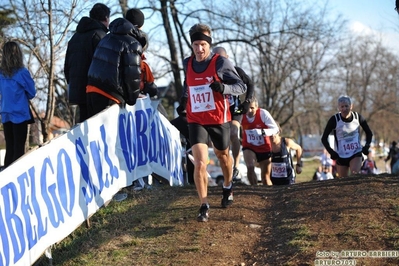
{"x": 371, "y": 17}
{"x": 365, "y": 16}
{"x": 376, "y": 17}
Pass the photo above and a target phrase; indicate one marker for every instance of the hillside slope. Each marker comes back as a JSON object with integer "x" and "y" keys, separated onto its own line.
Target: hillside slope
{"x": 290, "y": 225}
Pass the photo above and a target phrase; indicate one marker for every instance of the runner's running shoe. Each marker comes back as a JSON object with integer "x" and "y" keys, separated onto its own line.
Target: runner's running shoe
{"x": 236, "y": 172}
{"x": 227, "y": 198}
{"x": 203, "y": 213}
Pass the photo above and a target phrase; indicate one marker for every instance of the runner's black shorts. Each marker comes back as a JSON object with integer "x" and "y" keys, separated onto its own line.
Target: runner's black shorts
{"x": 260, "y": 156}
{"x": 218, "y": 134}
{"x": 346, "y": 161}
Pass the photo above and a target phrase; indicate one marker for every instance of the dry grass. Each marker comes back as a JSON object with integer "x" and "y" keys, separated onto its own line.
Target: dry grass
{"x": 287, "y": 225}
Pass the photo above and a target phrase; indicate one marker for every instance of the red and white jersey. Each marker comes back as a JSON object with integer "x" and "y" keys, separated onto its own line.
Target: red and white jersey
{"x": 256, "y": 131}
{"x": 204, "y": 106}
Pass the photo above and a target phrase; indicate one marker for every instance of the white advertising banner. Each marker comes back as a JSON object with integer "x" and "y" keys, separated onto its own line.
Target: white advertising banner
{"x": 49, "y": 192}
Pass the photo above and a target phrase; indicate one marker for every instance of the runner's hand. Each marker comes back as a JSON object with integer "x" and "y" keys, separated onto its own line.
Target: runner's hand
{"x": 217, "y": 87}
{"x": 365, "y": 149}
{"x": 334, "y": 155}
{"x": 244, "y": 107}
{"x": 181, "y": 109}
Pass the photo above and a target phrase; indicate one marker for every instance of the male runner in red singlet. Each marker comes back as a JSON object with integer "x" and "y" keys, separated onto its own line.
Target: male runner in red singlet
{"x": 209, "y": 80}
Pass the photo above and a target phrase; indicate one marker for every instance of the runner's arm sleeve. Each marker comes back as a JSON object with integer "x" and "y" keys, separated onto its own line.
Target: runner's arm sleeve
{"x": 233, "y": 84}
{"x": 268, "y": 120}
{"x": 181, "y": 109}
{"x": 247, "y": 81}
{"x": 331, "y": 124}
{"x": 367, "y": 130}
{"x": 185, "y": 89}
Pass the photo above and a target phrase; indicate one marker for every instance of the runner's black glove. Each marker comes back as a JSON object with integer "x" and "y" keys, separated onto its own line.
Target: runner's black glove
{"x": 182, "y": 107}
{"x": 244, "y": 107}
{"x": 365, "y": 149}
{"x": 334, "y": 155}
{"x": 217, "y": 86}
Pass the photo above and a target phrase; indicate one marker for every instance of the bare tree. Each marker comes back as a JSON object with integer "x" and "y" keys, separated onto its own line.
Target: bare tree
{"x": 289, "y": 49}
{"x": 41, "y": 28}
{"x": 5, "y": 20}
{"x": 286, "y": 47}
{"x": 367, "y": 71}
{"x": 168, "y": 44}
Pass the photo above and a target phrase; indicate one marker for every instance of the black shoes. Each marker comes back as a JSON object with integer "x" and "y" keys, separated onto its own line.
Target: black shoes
{"x": 203, "y": 213}
{"x": 227, "y": 198}
{"x": 236, "y": 172}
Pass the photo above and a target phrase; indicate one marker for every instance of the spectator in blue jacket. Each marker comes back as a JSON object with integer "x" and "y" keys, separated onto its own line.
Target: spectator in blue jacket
{"x": 16, "y": 89}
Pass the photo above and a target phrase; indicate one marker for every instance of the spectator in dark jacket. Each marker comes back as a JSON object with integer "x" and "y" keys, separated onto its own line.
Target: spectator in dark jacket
{"x": 114, "y": 73}
{"x": 393, "y": 154}
{"x": 81, "y": 47}
{"x": 147, "y": 85}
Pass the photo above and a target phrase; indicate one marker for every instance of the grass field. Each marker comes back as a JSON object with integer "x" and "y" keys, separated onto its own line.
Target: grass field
{"x": 278, "y": 225}
{"x": 310, "y": 165}
{"x": 308, "y": 170}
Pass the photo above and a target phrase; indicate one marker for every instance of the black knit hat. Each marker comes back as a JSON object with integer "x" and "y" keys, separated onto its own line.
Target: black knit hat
{"x": 135, "y": 16}
{"x": 100, "y": 12}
